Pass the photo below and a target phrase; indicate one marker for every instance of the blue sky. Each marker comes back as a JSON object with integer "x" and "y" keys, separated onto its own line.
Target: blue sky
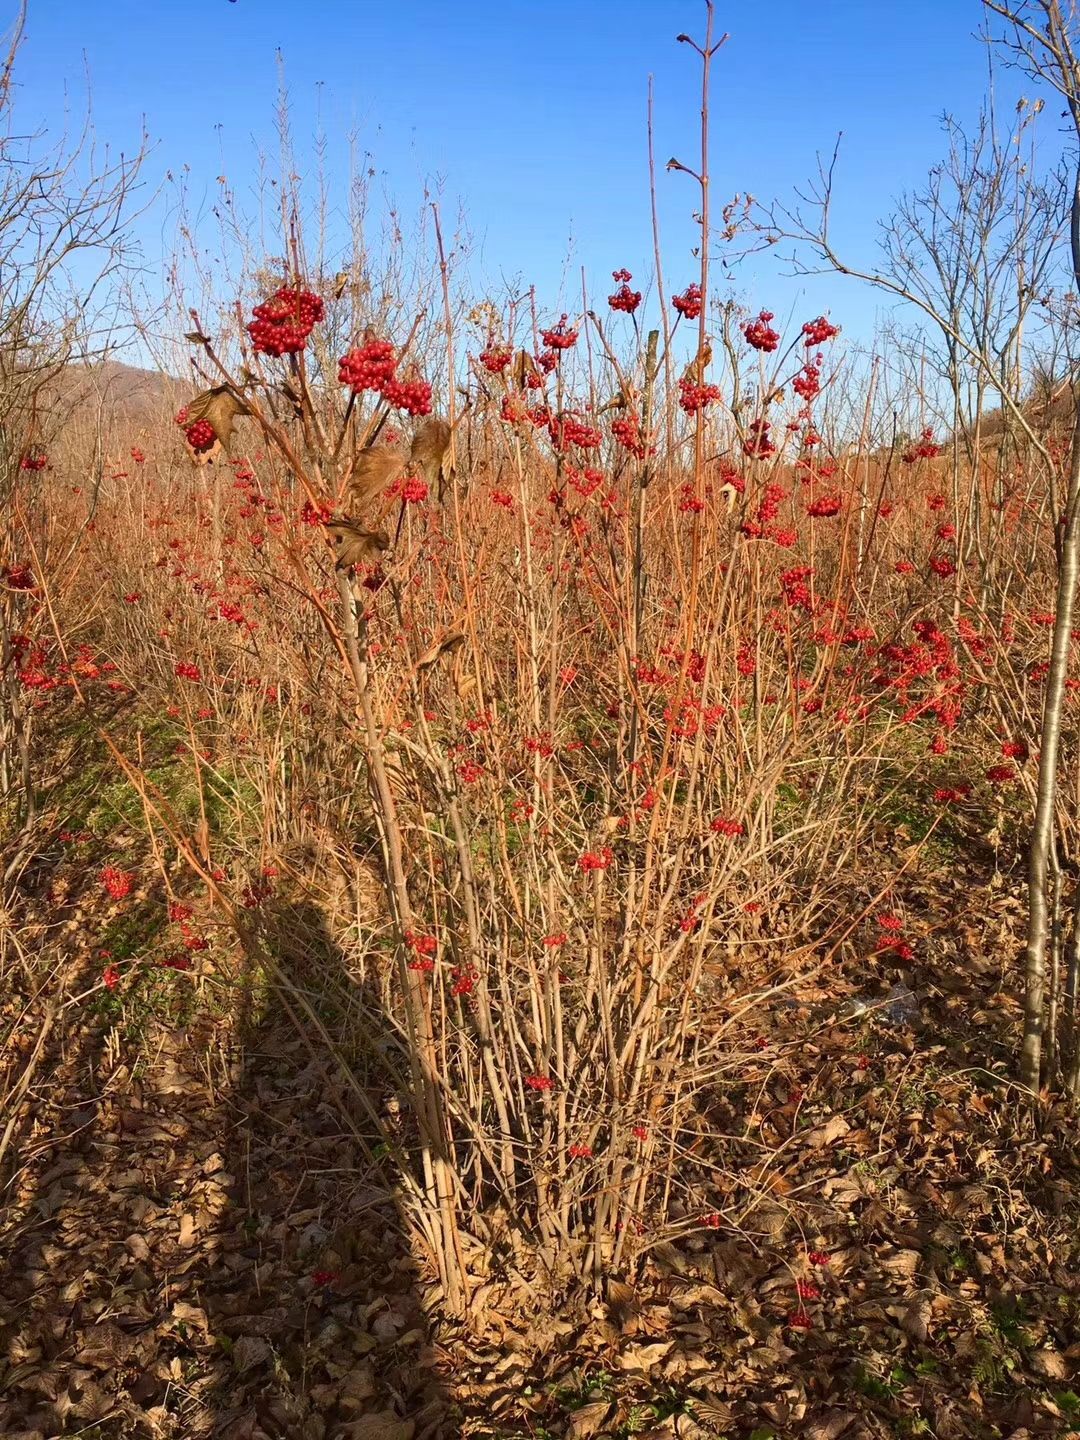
{"x": 531, "y": 117}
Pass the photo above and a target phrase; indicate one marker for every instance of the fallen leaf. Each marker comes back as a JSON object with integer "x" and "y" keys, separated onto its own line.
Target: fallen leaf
{"x": 916, "y": 1318}
{"x": 587, "y": 1420}
{"x": 249, "y": 1351}
{"x": 1050, "y": 1364}
{"x": 644, "y": 1357}
{"x": 835, "y": 1128}
{"x": 830, "y": 1426}
{"x": 384, "y": 1426}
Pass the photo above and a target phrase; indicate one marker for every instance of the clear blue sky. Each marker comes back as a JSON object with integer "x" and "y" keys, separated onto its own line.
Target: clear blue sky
{"x": 532, "y": 116}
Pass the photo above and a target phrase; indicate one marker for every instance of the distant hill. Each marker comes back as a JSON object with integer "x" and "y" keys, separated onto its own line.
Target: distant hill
{"x": 118, "y": 393}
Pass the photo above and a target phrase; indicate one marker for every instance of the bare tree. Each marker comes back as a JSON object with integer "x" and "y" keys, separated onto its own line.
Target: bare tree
{"x": 65, "y": 209}
{"x": 1043, "y": 39}
{"x": 976, "y": 251}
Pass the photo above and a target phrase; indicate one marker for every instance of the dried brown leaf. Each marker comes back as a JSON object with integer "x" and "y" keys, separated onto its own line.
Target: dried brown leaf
{"x": 219, "y": 407}
{"x": 623, "y": 1303}
{"x": 354, "y": 545}
{"x": 1050, "y": 1364}
{"x": 714, "y": 1413}
{"x": 915, "y": 1320}
{"x": 439, "y": 648}
{"x": 249, "y": 1351}
{"x": 644, "y": 1357}
{"x": 830, "y": 1426}
{"x": 372, "y": 471}
{"x": 835, "y": 1128}
{"x": 524, "y": 366}
{"x": 668, "y": 1259}
{"x": 431, "y": 451}
{"x": 384, "y": 1426}
{"x": 588, "y": 1420}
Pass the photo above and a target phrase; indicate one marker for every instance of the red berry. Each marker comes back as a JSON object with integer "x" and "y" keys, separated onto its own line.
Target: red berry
{"x": 369, "y": 366}
{"x": 688, "y": 304}
{"x": 819, "y": 330}
{"x": 283, "y": 323}
{"x": 760, "y": 334}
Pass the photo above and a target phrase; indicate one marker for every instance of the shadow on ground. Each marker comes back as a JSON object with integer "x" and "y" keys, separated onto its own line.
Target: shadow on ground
{"x": 193, "y": 1242}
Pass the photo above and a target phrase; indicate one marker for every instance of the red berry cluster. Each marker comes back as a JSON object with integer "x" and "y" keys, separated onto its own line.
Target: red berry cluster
{"x": 819, "y": 330}
{"x": 627, "y": 432}
{"x": 760, "y": 334}
{"x": 596, "y": 859}
{"x": 559, "y": 337}
{"x": 464, "y": 980}
{"x": 315, "y": 515}
{"x": 373, "y": 366}
{"x": 624, "y": 299}
{"x": 283, "y": 323}
{"x": 758, "y": 441}
{"x": 33, "y": 461}
{"x": 496, "y": 358}
{"x": 412, "y": 491}
{"x": 694, "y": 397}
{"x": 824, "y": 507}
{"x": 926, "y": 449}
{"x": 421, "y": 944}
{"x": 413, "y": 396}
{"x": 117, "y": 882}
{"x": 690, "y": 502}
{"x": 566, "y": 430}
{"x": 369, "y": 366}
{"x": 584, "y": 482}
{"x": 199, "y": 434}
{"x": 807, "y": 384}
{"x": 688, "y": 304}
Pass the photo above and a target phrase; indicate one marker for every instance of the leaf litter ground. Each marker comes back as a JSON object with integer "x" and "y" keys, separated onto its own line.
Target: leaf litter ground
{"x": 194, "y": 1245}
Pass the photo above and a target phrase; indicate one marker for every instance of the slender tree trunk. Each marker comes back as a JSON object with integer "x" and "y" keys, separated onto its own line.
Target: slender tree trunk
{"x": 1042, "y": 834}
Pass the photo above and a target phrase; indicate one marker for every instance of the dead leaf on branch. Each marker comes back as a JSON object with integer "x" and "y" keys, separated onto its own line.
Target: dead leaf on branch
{"x": 372, "y": 470}
{"x": 219, "y": 407}
{"x": 431, "y": 451}
{"x": 354, "y": 545}
{"x": 442, "y": 647}
{"x": 524, "y": 366}
{"x": 695, "y": 371}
